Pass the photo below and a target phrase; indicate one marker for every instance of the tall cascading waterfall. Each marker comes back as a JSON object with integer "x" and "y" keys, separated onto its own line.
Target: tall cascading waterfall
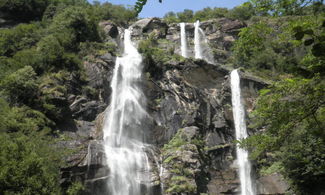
{"x": 197, "y": 41}
{"x": 241, "y": 133}
{"x": 201, "y": 45}
{"x": 183, "y": 40}
{"x": 124, "y": 133}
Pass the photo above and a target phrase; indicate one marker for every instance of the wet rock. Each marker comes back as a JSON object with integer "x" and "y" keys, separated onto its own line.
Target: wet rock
{"x": 95, "y": 160}
{"x": 87, "y": 164}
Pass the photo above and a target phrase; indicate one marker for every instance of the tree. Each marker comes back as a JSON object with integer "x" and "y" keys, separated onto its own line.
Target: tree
{"x": 20, "y": 86}
{"x": 283, "y": 7}
{"x": 293, "y": 113}
{"x": 210, "y": 13}
{"x": 185, "y": 16}
{"x": 74, "y": 25}
{"x": 242, "y": 12}
{"x": 20, "y": 37}
{"x": 28, "y": 165}
{"x": 171, "y": 17}
{"x": 29, "y": 159}
{"x": 116, "y": 13}
{"x": 24, "y": 10}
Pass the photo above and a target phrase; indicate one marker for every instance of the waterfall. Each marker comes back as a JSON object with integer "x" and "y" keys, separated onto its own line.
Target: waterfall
{"x": 123, "y": 130}
{"x": 241, "y": 132}
{"x": 183, "y": 40}
{"x": 197, "y": 40}
{"x": 201, "y": 44}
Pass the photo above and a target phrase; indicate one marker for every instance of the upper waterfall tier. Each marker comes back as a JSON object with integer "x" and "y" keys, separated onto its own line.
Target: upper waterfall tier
{"x": 183, "y": 41}
{"x": 197, "y": 41}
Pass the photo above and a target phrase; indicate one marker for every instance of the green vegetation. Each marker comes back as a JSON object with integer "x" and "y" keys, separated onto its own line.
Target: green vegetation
{"x": 288, "y": 50}
{"x": 293, "y": 113}
{"x": 23, "y": 165}
{"x": 286, "y": 7}
{"x": 153, "y": 54}
{"x": 28, "y": 155}
{"x": 38, "y": 60}
{"x": 249, "y": 9}
{"x": 284, "y": 43}
{"x": 184, "y": 176}
{"x": 181, "y": 184}
{"x": 76, "y": 189}
{"x": 242, "y": 12}
{"x": 260, "y": 47}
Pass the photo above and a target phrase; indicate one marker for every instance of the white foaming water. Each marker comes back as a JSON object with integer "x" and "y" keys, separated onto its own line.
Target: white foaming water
{"x": 197, "y": 41}
{"x": 123, "y": 129}
{"x": 201, "y": 44}
{"x": 183, "y": 40}
{"x": 241, "y": 132}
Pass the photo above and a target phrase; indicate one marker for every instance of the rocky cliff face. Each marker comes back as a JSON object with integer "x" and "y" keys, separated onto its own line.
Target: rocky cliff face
{"x": 191, "y": 127}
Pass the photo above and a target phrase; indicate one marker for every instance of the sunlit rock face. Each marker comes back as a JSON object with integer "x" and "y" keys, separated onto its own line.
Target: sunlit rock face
{"x": 190, "y": 125}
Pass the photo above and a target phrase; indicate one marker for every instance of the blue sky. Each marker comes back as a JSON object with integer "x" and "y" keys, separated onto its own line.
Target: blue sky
{"x": 154, "y": 8}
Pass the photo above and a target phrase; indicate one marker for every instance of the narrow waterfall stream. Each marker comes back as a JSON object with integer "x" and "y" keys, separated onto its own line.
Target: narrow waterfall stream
{"x": 124, "y": 134}
{"x": 241, "y": 132}
{"x": 201, "y": 46}
{"x": 183, "y": 40}
{"x": 197, "y": 41}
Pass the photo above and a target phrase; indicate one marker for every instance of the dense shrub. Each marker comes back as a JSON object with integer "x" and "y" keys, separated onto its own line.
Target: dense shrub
{"x": 20, "y": 86}
{"x": 116, "y": 13}
{"x": 243, "y": 12}
{"x": 293, "y": 113}
{"x": 26, "y": 10}
{"x": 291, "y": 110}
{"x": 21, "y": 37}
{"x": 75, "y": 21}
{"x": 28, "y": 164}
{"x": 37, "y": 61}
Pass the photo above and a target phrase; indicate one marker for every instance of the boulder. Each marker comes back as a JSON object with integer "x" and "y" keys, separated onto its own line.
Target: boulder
{"x": 148, "y": 25}
{"x": 110, "y": 29}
